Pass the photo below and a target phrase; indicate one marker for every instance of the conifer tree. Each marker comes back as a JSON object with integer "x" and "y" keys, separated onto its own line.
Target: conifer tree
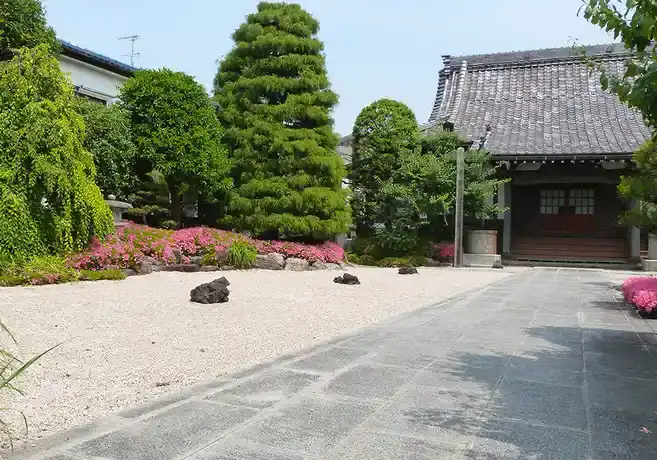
{"x": 276, "y": 104}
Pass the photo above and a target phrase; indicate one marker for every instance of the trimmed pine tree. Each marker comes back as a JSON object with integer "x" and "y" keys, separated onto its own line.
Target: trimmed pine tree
{"x": 276, "y": 104}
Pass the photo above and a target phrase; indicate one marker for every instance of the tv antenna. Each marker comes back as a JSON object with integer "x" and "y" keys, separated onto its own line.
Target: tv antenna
{"x": 132, "y": 55}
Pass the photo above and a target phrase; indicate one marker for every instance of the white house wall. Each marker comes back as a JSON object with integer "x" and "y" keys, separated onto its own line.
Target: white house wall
{"x": 99, "y": 82}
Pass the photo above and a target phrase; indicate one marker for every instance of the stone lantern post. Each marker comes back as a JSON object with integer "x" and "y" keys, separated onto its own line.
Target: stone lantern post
{"x": 117, "y": 207}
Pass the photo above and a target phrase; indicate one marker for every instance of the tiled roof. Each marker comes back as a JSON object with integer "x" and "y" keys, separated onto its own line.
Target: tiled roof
{"x": 98, "y": 60}
{"x": 538, "y": 103}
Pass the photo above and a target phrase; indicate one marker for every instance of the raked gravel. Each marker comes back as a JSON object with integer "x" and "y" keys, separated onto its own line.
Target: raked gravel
{"x": 122, "y": 338}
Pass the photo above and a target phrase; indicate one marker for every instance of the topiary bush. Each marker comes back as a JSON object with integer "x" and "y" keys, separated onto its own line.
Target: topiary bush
{"x": 49, "y": 202}
{"x": 276, "y": 103}
{"x": 384, "y": 134}
{"x": 242, "y": 254}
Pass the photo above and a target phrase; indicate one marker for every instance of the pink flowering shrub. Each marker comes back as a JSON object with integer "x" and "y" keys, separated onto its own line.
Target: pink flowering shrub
{"x": 328, "y": 251}
{"x": 641, "y": 291}
{"x": 443, "y": 251}
{"x": 132, "y": 243}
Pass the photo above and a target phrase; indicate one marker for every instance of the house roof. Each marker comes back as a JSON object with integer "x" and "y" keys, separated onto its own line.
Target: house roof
{"x": 538, "y": 103}
{"x": 98, "y": 60}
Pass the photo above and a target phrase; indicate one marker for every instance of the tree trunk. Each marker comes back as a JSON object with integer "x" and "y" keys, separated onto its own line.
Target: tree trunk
{"x": 176, "y": 202}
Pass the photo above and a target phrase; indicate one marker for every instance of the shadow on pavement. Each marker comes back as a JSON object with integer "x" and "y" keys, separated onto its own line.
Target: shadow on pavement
{"x": 565, "y": 392}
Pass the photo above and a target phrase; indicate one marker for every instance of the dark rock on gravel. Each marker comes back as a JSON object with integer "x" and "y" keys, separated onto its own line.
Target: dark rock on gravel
{"x": 213, "y": 292}
{"x": 346, "y": 279}
{"x": 407, "y": 271}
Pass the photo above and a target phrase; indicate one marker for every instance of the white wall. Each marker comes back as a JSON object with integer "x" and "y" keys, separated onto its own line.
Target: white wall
{"x": 95, "y": 81}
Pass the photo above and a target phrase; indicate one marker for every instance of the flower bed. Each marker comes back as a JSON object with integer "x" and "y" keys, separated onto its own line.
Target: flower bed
{"x": 443, "y": 252}
{"x": 133, "y": 243}
{"x": 641, "y": 291}
{"x": 50, "y": 270}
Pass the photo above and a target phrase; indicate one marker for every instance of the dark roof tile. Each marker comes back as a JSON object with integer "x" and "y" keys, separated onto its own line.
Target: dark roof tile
{"x": 99, "y": 60}
{"x": 539, "y": 103}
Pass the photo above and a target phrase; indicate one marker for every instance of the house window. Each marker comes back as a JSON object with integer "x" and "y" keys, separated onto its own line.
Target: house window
{"x": 95, "y": 100}
{"x": 582, "y": 201}
{"x": 552, "y": 200}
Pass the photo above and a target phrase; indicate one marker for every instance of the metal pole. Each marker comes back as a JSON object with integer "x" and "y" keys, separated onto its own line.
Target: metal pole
{"x": 458, "y": 214}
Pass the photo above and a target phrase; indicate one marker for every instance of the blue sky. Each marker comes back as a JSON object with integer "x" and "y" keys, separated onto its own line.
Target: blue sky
{"x": 374, "y": 48}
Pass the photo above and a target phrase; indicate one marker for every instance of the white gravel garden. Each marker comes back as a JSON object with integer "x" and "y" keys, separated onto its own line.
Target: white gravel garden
{"x": 125, "y": 342}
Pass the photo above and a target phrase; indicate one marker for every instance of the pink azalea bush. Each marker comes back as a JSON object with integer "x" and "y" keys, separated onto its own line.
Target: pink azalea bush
{"x": 443, "y": 251}
{"x": 128, "y": 247}
{"x": 641, "y": 291}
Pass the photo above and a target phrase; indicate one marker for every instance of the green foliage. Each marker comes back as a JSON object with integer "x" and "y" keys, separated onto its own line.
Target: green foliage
{"x": 169, "y": 224}
{"x": 413, "y": 184}
{"x": 99, "y": 275}
{"x": 11, "y": 367}
{"x": 39, "y": 267}
{"x": 384, "y": 134}
{"x": 108, "y": 138}
{"x": 440, "y": 142}
{"x": 481, "y": 178}
{"x": 394, "y": 262}
{"x": 642, "y": 187}
{"x": 50, "y": 270}
{"x": 276, "y": 105}
{"x": 634, "y": 22}
{"x": 366, "y": 259}
{"x": 209, "y": 258}
{"x": 48, "y": 199}
{"x": 38, "y": 270}
{"x": 150, "y": 201}
{"x": 176, "y": 131}
{"x": 11, "y": 280}
{"x": 242, "y": 254}
{"x": 23, "y": 24}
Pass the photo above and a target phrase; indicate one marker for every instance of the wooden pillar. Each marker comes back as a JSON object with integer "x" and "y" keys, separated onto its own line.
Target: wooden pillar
{"x": 506, "y": 229}
{"x": 458, "y": 214}
{"x": 635, "y": 239}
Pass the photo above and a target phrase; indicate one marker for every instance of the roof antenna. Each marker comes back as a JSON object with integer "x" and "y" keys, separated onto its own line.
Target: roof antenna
{"x": 132, "y": 55}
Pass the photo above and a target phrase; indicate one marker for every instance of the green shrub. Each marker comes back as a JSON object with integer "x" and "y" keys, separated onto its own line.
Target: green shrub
{"x": 394, "y": 262}
{"x": 365, "y": 259}
{"x": 49, "y": 202}
{"x": 98, "y": 275}
{"x": 364, "y": 245}
{"x": 353, "y": 258}
{"x": 242, "y": 254}
{"x": 209, "y": 258}
{"x": 169, "y": 224}
{"x": 11, "y": 280}
{"x": 417, "y": 261}
{"x": 50, "y": 270}
{"x": 38, "y": 270}
{"x": 44, "y": 266}
{"x": 109, "y": 139}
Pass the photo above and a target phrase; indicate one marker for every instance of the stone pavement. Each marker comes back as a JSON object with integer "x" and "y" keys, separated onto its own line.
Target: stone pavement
{"x": 544, "y": 365}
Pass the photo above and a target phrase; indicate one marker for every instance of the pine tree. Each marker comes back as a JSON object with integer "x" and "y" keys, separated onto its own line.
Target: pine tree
{"x": 276, "y": 104}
